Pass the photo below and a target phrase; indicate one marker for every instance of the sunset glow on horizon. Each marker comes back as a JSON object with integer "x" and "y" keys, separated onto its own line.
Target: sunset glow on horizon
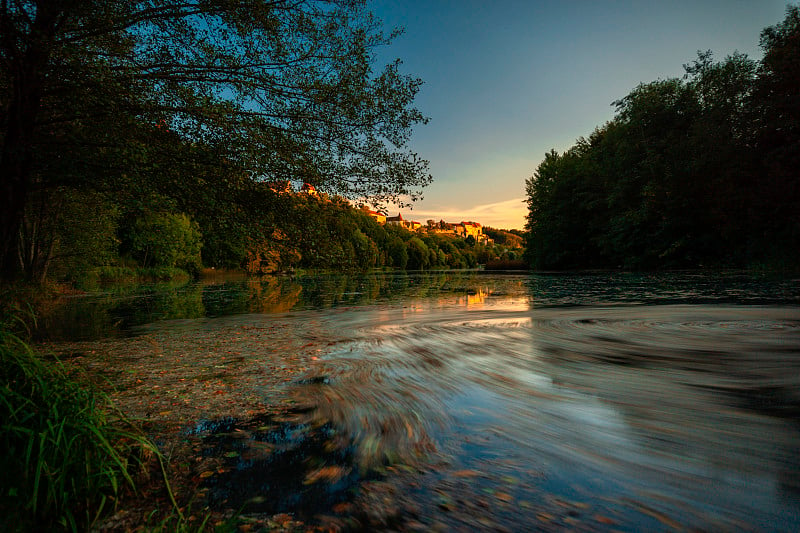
{"x": 506, "y": 82}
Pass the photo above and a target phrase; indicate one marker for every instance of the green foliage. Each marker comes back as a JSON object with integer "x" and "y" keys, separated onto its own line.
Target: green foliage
{"x": 318, "y": 232}
{"x": 167, "y": 97}
{"x": 274, "y": 253}
{"x": 777, "y": 139}
{"x": 94, "y": 278}
{"x": 365, "y": 250}
{"x": 418, "y": 256}
{"x": 690, "y": 172}
{"x": 65, "y": 458}
{"x": 66, "y": 231}
{"x": 87, "y": 235}
{"x": 398, "y": 253}
{"x": 160, "y": 239}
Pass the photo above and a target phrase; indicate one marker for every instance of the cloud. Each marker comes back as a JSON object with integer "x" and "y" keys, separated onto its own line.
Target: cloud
{"x": 507, "y": 214}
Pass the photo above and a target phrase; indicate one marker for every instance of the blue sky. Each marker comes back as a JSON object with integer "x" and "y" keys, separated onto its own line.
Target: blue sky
{"x": 506, "y": 81}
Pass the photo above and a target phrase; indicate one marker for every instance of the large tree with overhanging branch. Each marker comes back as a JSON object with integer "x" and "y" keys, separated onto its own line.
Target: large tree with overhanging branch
{"x": 107, "y": 94}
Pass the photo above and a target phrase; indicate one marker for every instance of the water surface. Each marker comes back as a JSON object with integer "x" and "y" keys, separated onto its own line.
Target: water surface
{"x": 484, "y": 401}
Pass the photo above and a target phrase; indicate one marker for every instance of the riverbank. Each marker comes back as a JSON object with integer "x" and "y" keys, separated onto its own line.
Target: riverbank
{"x": 68, "y": 454}
{"x": 382, "y": 401}
{"x": 98, "y": 435}
{"x": 170, "y": 383}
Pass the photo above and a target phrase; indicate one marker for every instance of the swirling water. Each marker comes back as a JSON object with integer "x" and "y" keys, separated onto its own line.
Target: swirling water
{"x": 595, "y": 402}
{"x": 689, "y": 410}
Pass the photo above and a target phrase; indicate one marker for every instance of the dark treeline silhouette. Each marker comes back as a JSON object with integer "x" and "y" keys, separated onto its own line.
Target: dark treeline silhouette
{"x": 150, "y": 128}
{"x": 691, "y": 172}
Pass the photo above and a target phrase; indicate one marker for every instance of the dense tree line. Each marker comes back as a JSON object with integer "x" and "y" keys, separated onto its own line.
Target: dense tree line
{"x": 161, "y": 109}
{"x": 513, "y": 238}
{"x": 90, "y": 237}
{"x": 328, "y": 233}
{"x": 697, "y": 171}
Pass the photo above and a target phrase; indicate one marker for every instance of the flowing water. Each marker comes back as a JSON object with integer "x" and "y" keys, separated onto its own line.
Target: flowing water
{"x": 512, "y": 402}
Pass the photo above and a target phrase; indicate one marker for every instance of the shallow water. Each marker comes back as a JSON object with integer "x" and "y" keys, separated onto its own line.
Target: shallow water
{"x": 595, "y": 402}
{"x": 690, "y": 411}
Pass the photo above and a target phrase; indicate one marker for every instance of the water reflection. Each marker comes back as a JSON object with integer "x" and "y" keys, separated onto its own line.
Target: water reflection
{"x": 611, "y": 402}
{"x": 120, "y": 309}
{"x": 652, "y": 415}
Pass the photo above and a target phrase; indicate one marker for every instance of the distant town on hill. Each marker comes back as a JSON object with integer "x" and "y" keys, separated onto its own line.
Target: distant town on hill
{"x": 462, "y": 229}
{"x": 459, "y": 229}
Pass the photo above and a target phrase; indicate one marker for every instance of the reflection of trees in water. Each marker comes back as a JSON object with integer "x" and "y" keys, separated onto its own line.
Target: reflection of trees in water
{"x": 322, "y": 292}
{"x": 660, "y": 288}
{"x": 179, "y": 303}
{"x": 119, "y": 309}
{"x": 124, "y": 307}
{"x": 273, "y": 295}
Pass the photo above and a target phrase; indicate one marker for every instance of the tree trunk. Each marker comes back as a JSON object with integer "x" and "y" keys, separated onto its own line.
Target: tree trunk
{"x": 26, "y": 72}
{"x": 15, "y": 172}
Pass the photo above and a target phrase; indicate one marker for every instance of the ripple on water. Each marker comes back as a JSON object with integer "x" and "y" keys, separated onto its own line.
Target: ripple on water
{"x": 682, "y": 413}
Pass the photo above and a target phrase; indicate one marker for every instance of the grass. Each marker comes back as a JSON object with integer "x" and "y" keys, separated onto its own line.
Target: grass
{"x": 66, "y": 455}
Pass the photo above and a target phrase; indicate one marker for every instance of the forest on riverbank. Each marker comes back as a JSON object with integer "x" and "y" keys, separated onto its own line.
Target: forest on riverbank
{"x": 139, "y": 139}
{"x": 145, "y": 136}
{"x": 139, "y": 150}
{"x": 698, "y": 171}
{"x": 90, "y": 238}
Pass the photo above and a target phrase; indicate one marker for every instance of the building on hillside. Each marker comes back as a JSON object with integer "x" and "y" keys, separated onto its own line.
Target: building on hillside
{"x": 411, "y": 225}
{"x": 396, "y": 221}
{"x": 462, "y": 229}
{"x": 380, "y": 218}
{"x": 471, "y": 229}
{"x": 441, "y": 227}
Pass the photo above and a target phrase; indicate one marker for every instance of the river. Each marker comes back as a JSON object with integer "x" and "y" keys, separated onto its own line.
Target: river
{"x": 476, "y": 401}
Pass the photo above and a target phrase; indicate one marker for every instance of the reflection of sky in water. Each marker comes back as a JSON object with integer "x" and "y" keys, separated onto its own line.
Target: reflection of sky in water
{"x": 648, "y": 405}
{"x": 661, "y": 391}
{"x": 119, "y": 310}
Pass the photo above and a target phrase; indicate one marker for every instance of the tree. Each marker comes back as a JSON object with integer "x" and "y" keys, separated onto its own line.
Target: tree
{"x": 694, "y": 171}
{"x": 108, "y": 93}
{"x": 776, "y": 100}
{"x": 67, "y": 232}
{"x": 418, "y": 255}
{"x": 722, "y": 160}
{"x": 166, "y": 240}
{"x": 398, "y": 253}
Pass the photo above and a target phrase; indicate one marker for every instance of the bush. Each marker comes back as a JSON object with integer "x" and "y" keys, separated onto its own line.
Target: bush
{"x": 166, "y": 240}
{"x": 398, "y": 253}
{"x": 418, "y": 256}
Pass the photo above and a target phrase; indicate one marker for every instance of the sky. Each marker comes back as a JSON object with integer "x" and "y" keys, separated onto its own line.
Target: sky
{"x": 506, "y": 81}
